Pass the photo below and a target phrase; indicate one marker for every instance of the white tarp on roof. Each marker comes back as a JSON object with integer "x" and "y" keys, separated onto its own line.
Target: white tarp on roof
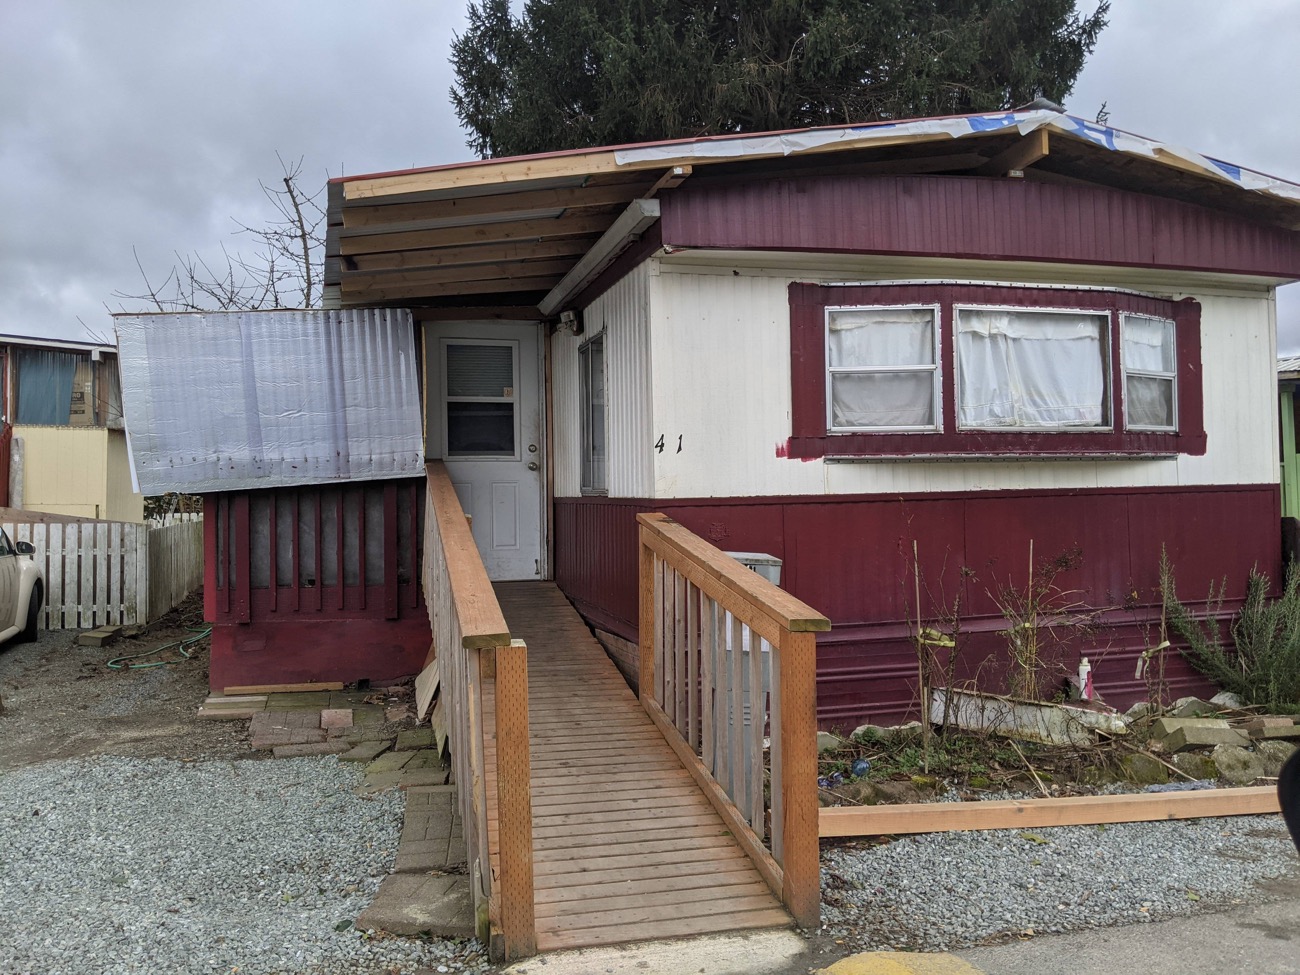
{"x": 223, "y": 401}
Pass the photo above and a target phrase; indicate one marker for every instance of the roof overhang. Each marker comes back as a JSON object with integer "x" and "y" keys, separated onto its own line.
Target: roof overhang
{"x": 521, "y": 237}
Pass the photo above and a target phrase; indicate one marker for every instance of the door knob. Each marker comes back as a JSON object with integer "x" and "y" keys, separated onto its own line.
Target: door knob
{"x": 532, "y": 465}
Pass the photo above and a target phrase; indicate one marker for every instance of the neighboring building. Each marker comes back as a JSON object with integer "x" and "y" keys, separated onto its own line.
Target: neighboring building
{"x": 64, "y": 401}
{"x": 969, "y": 335}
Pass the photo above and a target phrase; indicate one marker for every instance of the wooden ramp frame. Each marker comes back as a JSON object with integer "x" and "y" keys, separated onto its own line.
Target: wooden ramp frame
{"x": 625, "y": 844}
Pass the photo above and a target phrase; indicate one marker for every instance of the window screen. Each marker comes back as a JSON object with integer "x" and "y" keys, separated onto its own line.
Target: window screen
{"x": 480, "y": 398}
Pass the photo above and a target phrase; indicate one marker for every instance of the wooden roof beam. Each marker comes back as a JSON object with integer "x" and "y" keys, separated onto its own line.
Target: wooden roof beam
{"x": 365, "y": 280}
{"x": 494, "y": 204}
{"x": 497, "y": 285}
{"x": 522, "y": 230}
{"x": 470, "y": 255}
{"x": 639, "y": 215}
{"x": 673, "y": 177}
{"x": 1019, "y": 156}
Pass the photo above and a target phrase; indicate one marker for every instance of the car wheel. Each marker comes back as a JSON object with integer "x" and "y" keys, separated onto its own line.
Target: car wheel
{"x": 33, "y": 616}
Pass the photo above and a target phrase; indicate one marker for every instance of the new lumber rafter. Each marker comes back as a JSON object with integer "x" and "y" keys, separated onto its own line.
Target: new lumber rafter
{"x": 471, "y": 254}
{"x": 1020, "y": 155}
{"x": 494, "y": 204}
{"x": 522, "y": 230}
{"x": 942, "y": 817}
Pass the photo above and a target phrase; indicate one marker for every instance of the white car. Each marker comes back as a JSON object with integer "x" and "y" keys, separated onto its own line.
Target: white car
{"x": 22, "y": 591}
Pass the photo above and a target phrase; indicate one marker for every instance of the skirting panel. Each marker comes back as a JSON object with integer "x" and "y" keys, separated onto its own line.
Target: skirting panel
{"x": 852, "y": 558}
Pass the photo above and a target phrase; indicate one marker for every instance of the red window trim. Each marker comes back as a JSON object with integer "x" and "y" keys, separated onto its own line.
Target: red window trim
{"x": 811, "y": 439}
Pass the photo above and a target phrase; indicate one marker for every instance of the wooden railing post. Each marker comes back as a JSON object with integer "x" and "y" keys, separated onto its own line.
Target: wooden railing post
{"x": 514, "y": 802}
{"x": 646, "y": 628}
{"x": 801, "y": 882}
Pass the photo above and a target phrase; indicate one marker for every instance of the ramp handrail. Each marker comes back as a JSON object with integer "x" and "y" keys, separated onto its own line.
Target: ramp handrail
{"x": 480, "y": 664}
{"x": 724, "y": 656}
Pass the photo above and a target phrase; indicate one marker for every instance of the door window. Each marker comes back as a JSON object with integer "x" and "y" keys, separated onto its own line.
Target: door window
{"x": 479, "y": 404}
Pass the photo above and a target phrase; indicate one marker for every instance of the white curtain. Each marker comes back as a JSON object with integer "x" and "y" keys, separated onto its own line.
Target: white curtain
{"x": 1149, "y": 348}
{"x": 882, "y": 367}
{"x": 1024, "y": 369}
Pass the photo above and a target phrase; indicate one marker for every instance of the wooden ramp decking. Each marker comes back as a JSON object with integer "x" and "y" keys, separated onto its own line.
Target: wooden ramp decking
{"x": 626, "y": 847}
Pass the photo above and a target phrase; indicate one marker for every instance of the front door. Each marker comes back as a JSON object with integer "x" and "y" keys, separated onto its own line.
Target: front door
{"x": 483, "y": 419}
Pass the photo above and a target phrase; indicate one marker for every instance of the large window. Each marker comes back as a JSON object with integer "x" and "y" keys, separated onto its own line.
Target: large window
{"x": 591, "y": 363}
{"x": 951, "y": 370}
{"x": 479, "y": 407}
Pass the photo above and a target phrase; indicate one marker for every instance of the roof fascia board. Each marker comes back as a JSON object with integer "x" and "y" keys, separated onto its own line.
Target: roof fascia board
{"x": 633, "y": 221}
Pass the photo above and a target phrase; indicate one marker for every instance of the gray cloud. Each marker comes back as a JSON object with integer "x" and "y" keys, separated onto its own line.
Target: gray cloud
{"x": 149, "y": 123}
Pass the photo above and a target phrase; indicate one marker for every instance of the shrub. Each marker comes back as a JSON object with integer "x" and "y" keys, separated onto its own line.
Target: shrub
{"x": 1262, "y": 665}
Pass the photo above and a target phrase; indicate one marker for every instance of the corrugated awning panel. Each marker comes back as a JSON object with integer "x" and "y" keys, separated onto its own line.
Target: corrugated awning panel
{"x": 222, "y": 401}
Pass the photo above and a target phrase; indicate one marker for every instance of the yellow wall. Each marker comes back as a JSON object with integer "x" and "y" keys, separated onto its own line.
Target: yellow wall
{"x": 79, "y": 471}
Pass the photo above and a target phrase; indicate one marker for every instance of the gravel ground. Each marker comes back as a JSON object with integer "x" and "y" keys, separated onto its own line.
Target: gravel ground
{"x": 120, "y": 865}
{"x": 943, "y": 891}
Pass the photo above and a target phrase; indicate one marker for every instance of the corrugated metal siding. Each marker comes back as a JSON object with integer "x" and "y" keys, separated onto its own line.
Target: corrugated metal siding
{"x": 566, "y": 415}
{"x": 722, "y": 368}
{"x": 965, "y": 217}
{"x": 850, "y": 559}
{"x": 623, "y": 314}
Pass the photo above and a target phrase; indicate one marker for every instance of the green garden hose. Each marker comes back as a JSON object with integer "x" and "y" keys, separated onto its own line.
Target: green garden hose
{"x": 117, "y": 663}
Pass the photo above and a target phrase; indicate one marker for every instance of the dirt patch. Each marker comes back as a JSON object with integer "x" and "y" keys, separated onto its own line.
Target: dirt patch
{"x": 62, "y": 700}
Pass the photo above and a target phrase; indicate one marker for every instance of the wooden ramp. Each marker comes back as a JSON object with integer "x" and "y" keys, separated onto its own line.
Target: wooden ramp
{"x": 626, "y": 847}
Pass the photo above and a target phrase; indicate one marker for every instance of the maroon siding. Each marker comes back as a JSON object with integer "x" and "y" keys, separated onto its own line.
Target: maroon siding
{"x": 850, "y": 558}
{"x": 285, "y": 567}
{"x": 971, "y": 217}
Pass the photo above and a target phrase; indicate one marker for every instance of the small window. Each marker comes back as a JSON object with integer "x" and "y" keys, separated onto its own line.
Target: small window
{"x": 882, "y": 369}
{"x": 1032, "y": 370}
{"x": 591, "y": 363}
{"x": 1150, "y": 373}
{"x": 479, "y": 379}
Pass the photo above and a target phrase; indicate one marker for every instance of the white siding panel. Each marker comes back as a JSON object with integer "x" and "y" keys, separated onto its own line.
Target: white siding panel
{"x": 566, "y": 415}
{"x": 722, "y": 388}
{"x": 721, "y": 365}
{"x": 624, "y": 313}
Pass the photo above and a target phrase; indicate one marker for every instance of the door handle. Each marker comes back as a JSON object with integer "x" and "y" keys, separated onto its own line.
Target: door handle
{"x": 532, "y": 465}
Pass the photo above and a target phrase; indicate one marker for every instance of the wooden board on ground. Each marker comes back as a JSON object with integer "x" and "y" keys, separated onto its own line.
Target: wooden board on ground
{"x": 426, "y": 687}
{"x": 284, "y": 688}
{"x": 940, "y": 817}
{"x": 438, "y": 721}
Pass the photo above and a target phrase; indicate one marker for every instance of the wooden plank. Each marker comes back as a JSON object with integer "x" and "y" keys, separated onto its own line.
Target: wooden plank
{"x": 588, "y": 852}
{"x": 475, "y": 606}
{"x": 426, "y": 686}
{"x": 283, "y": 688}
{"x": 1022, "y": 154}
{"x": 736, "y": 718}
{"x": 471, "y": 256}
{"x": 646, "y": 885}
{"x": 685, "y": 927}
{"x": 1038, "y": 813}
{"x": 757, "y": 719}
{"x": 647, "y": 599}
{"x": 602, "y": 840}
{"x": 694, "y": 858}
{"x": 514, "y": 802}
{"x": 679, "y": 867}
{"x": 671, "y": 539}
{"x": 411, "y": 277}
{"x": 494, "y": 204}
{"x": 56, "y": 617}
{"x": 86, "y": 586}
{"x": 800, "y": 890}
{"x": 485, "y": 233}
{"x": 681, "y": 675}
{"x": 692, "y": 666}
{"x": 720, "y": 801}
{"x": 655, "y": 897}
{"x": 605, "y": 916}
{"x": 501, "y": 285}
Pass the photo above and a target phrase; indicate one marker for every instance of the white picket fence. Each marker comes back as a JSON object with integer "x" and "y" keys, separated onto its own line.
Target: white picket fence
{"x": 112, "y": 572}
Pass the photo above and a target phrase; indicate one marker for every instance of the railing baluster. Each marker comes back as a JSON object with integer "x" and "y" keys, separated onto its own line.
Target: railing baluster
{"x": 775, "y": 734}
{"x": 680, "y": 673}
{"x": 736, "y": 724}
{"x": 708, "y": 654}
{"x": 757, "y": 719}
{"x": 692, "y": 666}
{"x": 656, "y": 691}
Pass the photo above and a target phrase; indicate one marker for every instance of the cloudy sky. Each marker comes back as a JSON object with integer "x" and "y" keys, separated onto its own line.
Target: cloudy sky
{"x": 147, "y": 124}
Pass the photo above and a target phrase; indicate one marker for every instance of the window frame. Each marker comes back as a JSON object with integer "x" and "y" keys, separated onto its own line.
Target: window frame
{"x": 1108, "y": 378}
{"x": 1125, "y": 371}
{"x": 512, "y": 399}
{"x": 586, "y": 462}
{"x": 811, "y": 437}
{"x": 936, "y": 368}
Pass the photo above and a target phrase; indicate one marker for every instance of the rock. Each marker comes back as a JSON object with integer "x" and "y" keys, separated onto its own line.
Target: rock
{"x": 1192, "y": 707}
{"x": 1164, "y": 727}
{"x": 887, "y": 735}
{"x": 1268, "y": 721}
{"x": 1143, "y": 769}
{"x": 925, "y": 783}
{"x": 827, "y": 742}
{"x": 1227, "y": 699}
{"x": 1236, "y": 765}
{"x": 1196, "y": 764}
{"x": 1096, "y": 775}
{"x": 1140, "y": 710}
{"x": 1185, "y": 738}
{"x": 1273, "y": 755}
{"x": 1283, "y": 731}
{"x": 902, "y": 792}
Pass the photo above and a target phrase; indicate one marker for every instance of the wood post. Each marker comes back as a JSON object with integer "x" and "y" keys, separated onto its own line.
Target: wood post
{"x": 514, "y": 802}
{"x": 800, "y": 889}
{"x": 646, "y": 627}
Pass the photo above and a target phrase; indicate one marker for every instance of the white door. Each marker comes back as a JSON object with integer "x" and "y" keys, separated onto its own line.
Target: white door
{"x": 484, "y": 420}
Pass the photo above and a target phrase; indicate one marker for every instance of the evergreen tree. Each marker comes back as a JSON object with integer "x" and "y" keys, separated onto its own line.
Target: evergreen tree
{"x": 572, "y": 73}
